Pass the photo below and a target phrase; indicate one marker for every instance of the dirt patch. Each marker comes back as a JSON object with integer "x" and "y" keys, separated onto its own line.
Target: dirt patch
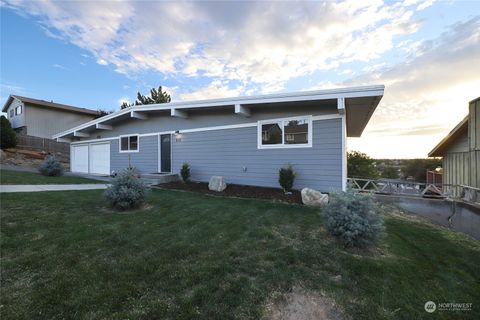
{"x": 239, "y": 191}
{"x": 301, "y": 304}
{"x": 30, "y": 159}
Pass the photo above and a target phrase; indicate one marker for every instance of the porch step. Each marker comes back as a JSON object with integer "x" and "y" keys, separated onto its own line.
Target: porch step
{"x": 154, "y": 178}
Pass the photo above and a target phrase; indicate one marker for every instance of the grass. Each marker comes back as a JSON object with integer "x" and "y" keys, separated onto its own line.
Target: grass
{"x": 192, "y": 256}
{"x": 17, "y": 177}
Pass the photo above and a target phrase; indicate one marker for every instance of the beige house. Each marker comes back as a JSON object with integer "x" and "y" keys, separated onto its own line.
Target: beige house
{"x": 43, "y": 119}
{"x": 460, "y": 150}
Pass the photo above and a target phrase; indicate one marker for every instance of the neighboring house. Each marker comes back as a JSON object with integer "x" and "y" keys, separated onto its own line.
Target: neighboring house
{"x": 460, "y": 150}
{"x": 245, "y": 139}
{"x": 43, "y": 119}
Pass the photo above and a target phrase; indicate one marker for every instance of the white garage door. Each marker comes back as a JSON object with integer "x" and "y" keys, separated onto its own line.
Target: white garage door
{"x": 100, "y": 158}
{"x": 80, "y": 159}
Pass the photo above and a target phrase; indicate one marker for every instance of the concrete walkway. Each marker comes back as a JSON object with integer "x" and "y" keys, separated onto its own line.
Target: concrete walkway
{"x": 50, "y": 187}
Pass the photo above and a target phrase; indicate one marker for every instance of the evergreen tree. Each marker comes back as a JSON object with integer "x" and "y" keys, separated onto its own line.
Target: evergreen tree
{"x": 8, "y": 137}
{"x": 156, "y": 96}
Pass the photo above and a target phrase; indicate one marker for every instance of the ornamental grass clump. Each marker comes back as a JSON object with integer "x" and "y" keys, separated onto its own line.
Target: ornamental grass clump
{"x": 286, "y": 178}
{"x": 127, "y": 191}
{"x": 185, "y": 172}
{"x": 354, "y": 219}
{"x": 51, "y": 167}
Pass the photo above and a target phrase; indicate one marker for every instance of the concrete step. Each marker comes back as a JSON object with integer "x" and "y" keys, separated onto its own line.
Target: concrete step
{"x": 154, "y": 178}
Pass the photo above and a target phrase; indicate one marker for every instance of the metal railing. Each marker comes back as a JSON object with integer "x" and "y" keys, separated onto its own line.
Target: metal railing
{"x": 418, "y": 189}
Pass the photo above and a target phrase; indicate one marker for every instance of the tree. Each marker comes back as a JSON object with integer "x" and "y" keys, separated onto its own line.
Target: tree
{"x": 8, "y": 137}
{"x": 360, "y": 165}
{"x": 416, "y": 169}
{"x": 389, "y": 172}
{"x": 103, "y": 112}
{"x": 156, "y": 96}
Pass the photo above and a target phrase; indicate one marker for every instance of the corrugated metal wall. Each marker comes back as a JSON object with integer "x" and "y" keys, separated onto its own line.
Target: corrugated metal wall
{"x": 463, "y": 168}
{"x": 474, "y": 142}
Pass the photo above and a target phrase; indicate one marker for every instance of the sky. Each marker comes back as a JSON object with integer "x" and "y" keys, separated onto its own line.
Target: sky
{"x": 96, "y": 54}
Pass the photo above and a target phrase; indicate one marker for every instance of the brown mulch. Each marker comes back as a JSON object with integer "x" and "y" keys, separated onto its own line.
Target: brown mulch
{"x": 235, "y": 190}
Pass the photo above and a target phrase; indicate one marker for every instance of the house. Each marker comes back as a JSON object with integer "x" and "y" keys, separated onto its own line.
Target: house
{"x": 460, "y": 150}
{"x": 245, "y": 139}
{"x": 43, "y": 119}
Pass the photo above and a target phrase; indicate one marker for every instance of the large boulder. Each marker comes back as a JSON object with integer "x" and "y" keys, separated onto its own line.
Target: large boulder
{"x": 3, "y": 156}
{"x": 217, "y": 183}
{"x": 311, "y": 197}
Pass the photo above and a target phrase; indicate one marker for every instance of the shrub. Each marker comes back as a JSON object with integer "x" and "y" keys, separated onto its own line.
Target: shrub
{"x": 354, "y": 219}
{"x": 8, "y": 137}
{"x": 127, "y": 191}
{"x": 286, "y": 177}
{"x": 51, "y": 167}
{"x": 185, "y": 172}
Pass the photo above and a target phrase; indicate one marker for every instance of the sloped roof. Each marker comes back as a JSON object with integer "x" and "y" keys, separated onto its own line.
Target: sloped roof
{"x": 360, "y": 103}
{"x": 43, "y": 103}
{"x": 451, "y": 137}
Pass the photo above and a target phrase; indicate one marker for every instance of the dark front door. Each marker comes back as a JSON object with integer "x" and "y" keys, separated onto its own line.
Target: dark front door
{"x": 166, "y": 153}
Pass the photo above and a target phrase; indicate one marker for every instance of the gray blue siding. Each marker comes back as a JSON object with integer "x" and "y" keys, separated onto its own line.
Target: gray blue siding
{"x": 161, "y": 122}
{"x": 146, "y": 160}
{"x": 227, "y": 152}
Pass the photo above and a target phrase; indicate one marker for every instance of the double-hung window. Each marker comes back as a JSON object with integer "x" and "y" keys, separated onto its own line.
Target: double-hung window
{"x": 11, "y": 113}
{"x": 18, "y": 110}
{"x": 129, "y": 143}
{"x": 285, "y": 133}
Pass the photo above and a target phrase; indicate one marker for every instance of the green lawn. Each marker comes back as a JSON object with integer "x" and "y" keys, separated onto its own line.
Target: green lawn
{"x": 190, "y": 256}
{"x": 16, "y": 177}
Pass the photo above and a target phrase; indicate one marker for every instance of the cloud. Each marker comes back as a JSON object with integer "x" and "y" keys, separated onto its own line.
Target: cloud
{"x": 262, "y": 43}
{"x": 59, "y": 66}
{"x": 217, "y": 89}
{"x": 425, "y": 96}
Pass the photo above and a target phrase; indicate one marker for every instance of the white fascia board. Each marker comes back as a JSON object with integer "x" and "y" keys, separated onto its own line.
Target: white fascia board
{"x": 178, "y": 113}
{"x": 101, "y": 126}
{"x": 353, "y": 92}
{"x": 138, "y": 115}
{"x": 63, "y": 140}
{"x": 242, "y": 110}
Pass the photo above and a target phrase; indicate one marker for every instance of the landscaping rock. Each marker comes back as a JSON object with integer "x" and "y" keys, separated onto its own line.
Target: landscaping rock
{"x": 32, "y": 154}
{"x": 3, "y": 156}
{"x": 311, "y": 197}
{"x": 217, "y": 183}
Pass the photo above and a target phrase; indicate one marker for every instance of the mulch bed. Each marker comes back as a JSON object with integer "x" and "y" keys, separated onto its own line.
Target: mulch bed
{"x": 235, "y": 190}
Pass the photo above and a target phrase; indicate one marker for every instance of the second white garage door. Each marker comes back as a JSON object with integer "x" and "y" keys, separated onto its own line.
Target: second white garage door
{"x": 99, "y": 158}
{"x": 79, "y": 161}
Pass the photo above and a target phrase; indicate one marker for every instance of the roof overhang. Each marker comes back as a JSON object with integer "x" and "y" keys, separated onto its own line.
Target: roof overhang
{"x": 446, "y": 142}
{"x": 358, "y": 103}
{"x": 50, "y": 105}
{"x": 7, "y": 103}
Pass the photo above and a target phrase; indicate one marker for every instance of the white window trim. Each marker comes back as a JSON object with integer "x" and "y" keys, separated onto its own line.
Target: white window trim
{"x": 128, "y": 135}
{"x": 283, "y": 145}
{"x": 21, "y": 110}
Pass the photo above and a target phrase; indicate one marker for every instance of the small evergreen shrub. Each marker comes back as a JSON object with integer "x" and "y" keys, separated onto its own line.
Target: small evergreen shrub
{"x": 51, "y": 167}
{"x": 127, "y": 191}
{"x": 286, "y": 177}
{"x": 354, "y": 219}
{"x": 185, "y": 172}
{"x": 8, "y": 137}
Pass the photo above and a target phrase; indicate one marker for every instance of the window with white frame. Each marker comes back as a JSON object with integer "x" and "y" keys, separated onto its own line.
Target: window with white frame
{"x": 18, "y": 110}
{"x": 129, "y": 143}
{"x": 285, "y": 133}
{"x": 11, "y": 113}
